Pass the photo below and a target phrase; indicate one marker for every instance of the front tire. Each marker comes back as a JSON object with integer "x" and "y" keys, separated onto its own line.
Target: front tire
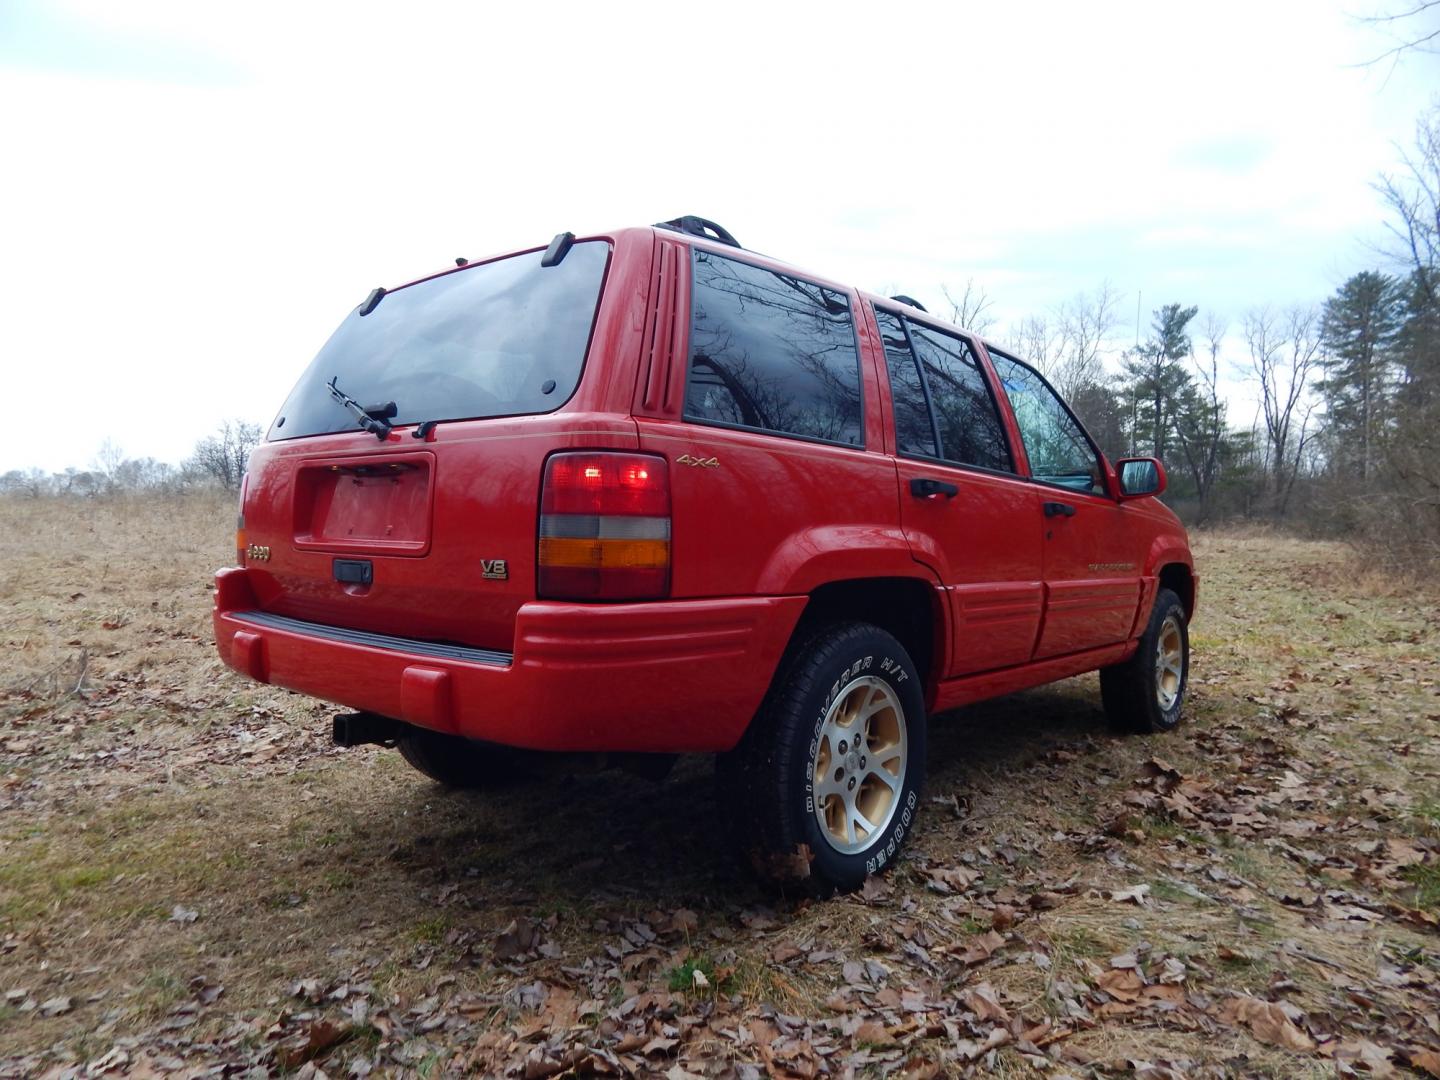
{"x": 1144, "y": 695}
{"x": 825, "y": 786}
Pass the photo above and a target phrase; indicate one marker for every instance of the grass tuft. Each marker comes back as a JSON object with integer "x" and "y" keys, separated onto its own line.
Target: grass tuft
{"x": 1426, "y": 879}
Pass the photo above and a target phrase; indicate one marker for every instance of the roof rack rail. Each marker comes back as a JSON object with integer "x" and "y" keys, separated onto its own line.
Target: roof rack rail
{"x": 902, "y": 298}
{"x": 699, "y": 226}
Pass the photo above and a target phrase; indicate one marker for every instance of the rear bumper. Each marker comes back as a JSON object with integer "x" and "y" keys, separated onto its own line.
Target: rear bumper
{"x": 675, "y": 676}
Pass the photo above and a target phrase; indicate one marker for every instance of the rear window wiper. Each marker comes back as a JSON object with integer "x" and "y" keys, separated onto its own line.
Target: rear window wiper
{"x": 372, "y": 419}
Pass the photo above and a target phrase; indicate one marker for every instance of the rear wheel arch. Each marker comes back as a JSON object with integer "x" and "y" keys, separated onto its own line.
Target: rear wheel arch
{"x": 910, "y": 609}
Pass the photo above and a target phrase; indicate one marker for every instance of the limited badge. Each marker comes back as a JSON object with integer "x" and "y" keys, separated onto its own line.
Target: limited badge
{"x": 494, "y": 569}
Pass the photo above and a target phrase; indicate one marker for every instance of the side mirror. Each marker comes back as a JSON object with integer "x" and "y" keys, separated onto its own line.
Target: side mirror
{"x": 1140, "y": 476}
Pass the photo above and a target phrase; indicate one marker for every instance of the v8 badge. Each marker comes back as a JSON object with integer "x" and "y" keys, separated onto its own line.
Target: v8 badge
{"x": 494, "y": 569}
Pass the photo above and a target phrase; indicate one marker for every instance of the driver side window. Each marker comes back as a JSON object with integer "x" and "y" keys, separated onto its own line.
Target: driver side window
{"x": 1057, "y": 447}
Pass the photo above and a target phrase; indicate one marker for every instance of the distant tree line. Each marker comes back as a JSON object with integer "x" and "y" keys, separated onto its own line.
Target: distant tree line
{"x": 218, "y": 461}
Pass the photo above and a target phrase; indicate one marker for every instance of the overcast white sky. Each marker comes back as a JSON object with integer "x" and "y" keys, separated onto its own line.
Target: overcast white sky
{"x": 193, "y": 195}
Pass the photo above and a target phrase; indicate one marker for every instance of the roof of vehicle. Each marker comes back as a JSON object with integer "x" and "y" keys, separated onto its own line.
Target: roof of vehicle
{"x": 719, "y": 247}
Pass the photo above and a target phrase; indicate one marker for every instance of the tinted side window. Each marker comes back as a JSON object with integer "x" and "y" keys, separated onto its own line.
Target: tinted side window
{"x": 914, "y": 433}
{"x": 970, "y": 428}
{"x": 1056, "y": 445}
{"x": 773, "y": 352}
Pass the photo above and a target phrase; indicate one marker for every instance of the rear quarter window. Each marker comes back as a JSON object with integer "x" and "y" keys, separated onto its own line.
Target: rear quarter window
{"x": 772, "y": 352}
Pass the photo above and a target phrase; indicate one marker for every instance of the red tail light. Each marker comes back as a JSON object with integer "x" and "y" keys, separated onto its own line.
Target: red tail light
{"x": 240, "y": 522}
{"x": 604, "y": 527}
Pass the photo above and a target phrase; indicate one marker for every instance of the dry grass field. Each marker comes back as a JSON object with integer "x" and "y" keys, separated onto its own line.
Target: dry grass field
{"x": 192, "y": 881}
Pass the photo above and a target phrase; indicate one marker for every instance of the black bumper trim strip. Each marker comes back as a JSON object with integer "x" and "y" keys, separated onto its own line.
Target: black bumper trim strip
{"x": 375, "y": 641}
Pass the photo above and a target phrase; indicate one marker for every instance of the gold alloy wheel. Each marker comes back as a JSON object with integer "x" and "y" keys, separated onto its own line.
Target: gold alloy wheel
{"x": 860, "y": 764}
{"x": 1169, "y": 663}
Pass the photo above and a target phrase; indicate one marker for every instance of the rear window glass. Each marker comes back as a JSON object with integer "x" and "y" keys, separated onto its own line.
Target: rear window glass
{"x": 503, "y": 338}
{"x": 772, "y": 351}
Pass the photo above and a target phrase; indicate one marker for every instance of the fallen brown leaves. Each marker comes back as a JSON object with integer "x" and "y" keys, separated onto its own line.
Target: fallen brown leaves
{"x": 1269, "y": 1021}
{"x": 1244, "y": 897}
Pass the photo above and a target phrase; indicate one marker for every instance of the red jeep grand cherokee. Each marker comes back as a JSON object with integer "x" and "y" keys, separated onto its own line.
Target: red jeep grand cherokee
{"x": 649, "y": 491}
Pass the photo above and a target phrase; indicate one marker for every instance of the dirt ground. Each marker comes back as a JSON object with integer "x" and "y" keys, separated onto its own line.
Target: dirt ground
{"x": 193, "y": 881}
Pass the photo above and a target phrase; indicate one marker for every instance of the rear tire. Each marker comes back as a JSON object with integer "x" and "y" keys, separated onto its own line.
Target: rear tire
{"x": 459, "y": 762}
{"x": 1145, "y": 694}
{"x": 825, "y": 785}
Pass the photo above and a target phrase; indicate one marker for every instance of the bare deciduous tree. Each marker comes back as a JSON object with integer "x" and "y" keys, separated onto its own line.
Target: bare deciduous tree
{"x": 1069, "y": 343}
{"x": 223, "y": 456}
{"x": 30, "y": 482}
{"x": 1414, "y": 197}
{"x": 1415, "y": 27}
{"x": 1086, "y": 323}
{"x": 971, "y": 309}
{"x": 108, "y": 460}
{"x": 1284, "y": 352}
{"x": 1039, "y": 342}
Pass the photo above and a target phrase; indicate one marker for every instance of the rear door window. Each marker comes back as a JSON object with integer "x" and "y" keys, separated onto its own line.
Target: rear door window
{"x": 936, "y": 381}
{"x": 773, "y": 352}
{"x": 914, "y": 426}
{"x": 503, "y": 338}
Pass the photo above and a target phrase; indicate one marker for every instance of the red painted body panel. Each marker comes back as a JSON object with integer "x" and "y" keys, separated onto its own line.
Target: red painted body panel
{"x": 776, "y": 516}
{"x": 1092, "y": 575}
{"x": 582, "y": 676}
{"x": 985, "y": 545}
{"x": 967, "y": 690}
{"x": 757, "y": 523}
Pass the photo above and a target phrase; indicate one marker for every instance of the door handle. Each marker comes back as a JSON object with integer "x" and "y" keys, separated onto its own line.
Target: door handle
{"x": 924, "y": 488}
{"x": 1059, "y": 509}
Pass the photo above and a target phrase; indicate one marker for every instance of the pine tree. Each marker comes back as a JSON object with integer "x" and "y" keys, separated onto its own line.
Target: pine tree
{"x": 1157, "y": 377}
{"x": 1360, "y": 329}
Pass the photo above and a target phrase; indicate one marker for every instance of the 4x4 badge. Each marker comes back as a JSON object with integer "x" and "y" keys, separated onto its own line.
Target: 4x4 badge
{"x": 494, "y": 569}
{"x": 703, "y": 463}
